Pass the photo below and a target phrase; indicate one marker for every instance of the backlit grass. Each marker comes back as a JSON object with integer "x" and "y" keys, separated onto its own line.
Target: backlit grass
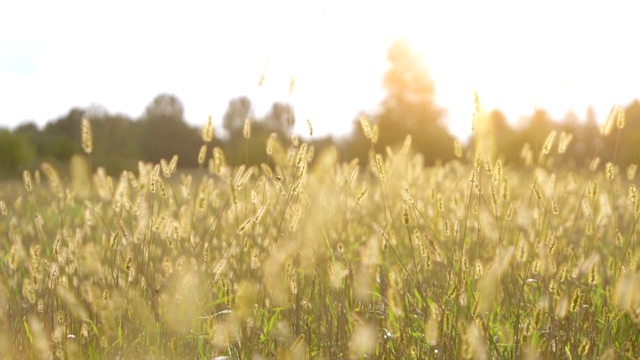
{"x": 308, "y": 257}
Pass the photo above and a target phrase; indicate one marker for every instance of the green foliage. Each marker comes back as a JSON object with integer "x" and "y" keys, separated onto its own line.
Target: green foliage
{"x": 15, "y": 154}
{"x": 163, "y": 132}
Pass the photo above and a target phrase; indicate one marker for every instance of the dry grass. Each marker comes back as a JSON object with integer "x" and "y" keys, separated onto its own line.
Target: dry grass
{"x": 389, "y": 259}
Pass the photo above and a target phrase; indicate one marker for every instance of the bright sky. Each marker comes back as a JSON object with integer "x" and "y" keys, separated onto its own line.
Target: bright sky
{"x": 556, "y": 55}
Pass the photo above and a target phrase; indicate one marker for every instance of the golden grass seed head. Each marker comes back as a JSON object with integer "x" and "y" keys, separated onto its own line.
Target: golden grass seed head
{"x": 295, "y": 140}
{"x": 272, "y": 138}
{"x": 619, "y": 238}
{"x": 407, "y": 196}
{"x": 472, "y": 179}
{"x": 39, "y": 223}
{"x": 594, "y": 276}
{"x": 244, "y": 225}
{"x": 620, "y": 118}
{"x": 202, "y": 154}
{"x": 310, "y": 127}
{"x": 154, "y": 179}
{"x": 246, "y": 130}
{"x": 586, "y": 208}
{"x": 164, "y": 166}
{"x": 380, "y": 231}
{"x": 242, "y": 177}
{"x": 173, "y": 164}
{"x": 366, "y": 127}
{"x": 28, "y": 184}
{"x": 292, "y": 84}
{"x": 109, "y": 184}
{"x": 497, "y": 171}
{"x": 477, "y": 160}
{"x": 548, "y": 143}
{"x": 113, "y": 240}
{"x": 538, "y": 316}
{"x": 29, "y": 290}
{"x": 375, "y": 133}
{"x": 218, "y": 160}
{"x": 423, "y": 249}
{"x": 562, "y": 273}
{"x": 3, "y": 209}
{"x": 446, "y": 323}
{"x": 478, "y": 269}
{"x": 202, "y": 200}
{"x": 593, "y": 166}
{"x": 353, "y": 174}
{"x": 551, "y": 244}
{"x": 207, "y": 130}
{"x": 301, "y": 156}
{"x": 633, "y": 194}
{"x": 380, "y": 168}
{"x": 259, "y": 214}
{"x": 631, "y": 171}
{"x": 609, "y": 170}
{"x": 554, "y": 288}
{"x": 457, "y": 148}
{"x": 86, "y": 136}
{"x": 163, "y": 191}
{"x": 476, "y": 111}
{"x": 54, "y": 179}
{"x": 588, "y": 228}
{"x": 536, "y": 190}
{"x": 563, "y": 143}
{"x": 406, "y": 146}
{"x": 361, "y": 195}
{"x": 575, "y": 300}
{"x": 584, "y": 348}
{"x": 239, "y": 175}
{"x": 610, "y": 121}
{"x": 255, "y": 259}
{"x": 511, "y": 210}
{"x": 405, "y": 213}
{"x": 494, "y": 201}
{"x": 536, "y": 267}
{"x": 592, "y": 190}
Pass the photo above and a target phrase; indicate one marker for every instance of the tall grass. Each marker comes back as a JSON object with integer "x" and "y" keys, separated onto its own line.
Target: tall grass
{"x": 307, "y": 257}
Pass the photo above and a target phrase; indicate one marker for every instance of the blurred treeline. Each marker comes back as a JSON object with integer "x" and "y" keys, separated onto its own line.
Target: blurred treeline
{"x": 409, "y": 108}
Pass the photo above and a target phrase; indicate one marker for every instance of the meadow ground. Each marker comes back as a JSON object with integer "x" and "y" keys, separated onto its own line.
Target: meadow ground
{"x": 383, "y": 259}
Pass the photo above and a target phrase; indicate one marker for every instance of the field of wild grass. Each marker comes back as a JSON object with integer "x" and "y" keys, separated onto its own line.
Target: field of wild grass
{"x": 306, "y": 257}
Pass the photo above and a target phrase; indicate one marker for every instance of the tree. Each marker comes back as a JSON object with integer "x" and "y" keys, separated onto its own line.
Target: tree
{"x": 165, "y": 106}
{"x": 115, "y": 145}
{"x": 280, "y": 119}
{"x": 238, "y": 111}
{"x": 15, "y": 153}
{"x": 410, "y": 108}
{"x": 62, "y": 137}
{"x": 164, "y": 133}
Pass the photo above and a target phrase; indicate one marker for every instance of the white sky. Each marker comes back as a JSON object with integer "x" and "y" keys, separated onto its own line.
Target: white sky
{"x": 558, "y": 55}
